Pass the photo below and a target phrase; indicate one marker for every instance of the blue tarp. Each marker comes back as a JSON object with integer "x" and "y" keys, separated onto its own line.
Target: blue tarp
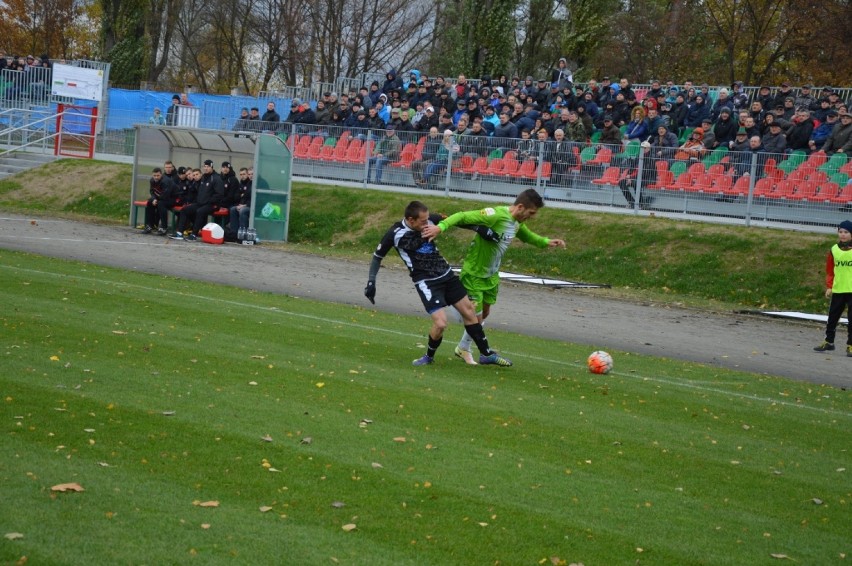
{"x": 218, "y": 111}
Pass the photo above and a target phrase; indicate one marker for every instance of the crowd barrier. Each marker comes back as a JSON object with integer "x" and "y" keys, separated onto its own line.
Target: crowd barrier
{"x": 794, "y": 189}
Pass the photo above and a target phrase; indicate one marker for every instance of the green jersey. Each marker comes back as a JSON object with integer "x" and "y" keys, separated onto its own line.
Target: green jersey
{"x": 483, "y": 257}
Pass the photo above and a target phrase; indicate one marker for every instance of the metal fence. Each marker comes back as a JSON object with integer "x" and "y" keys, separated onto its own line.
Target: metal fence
{"x": 792, "y": 190}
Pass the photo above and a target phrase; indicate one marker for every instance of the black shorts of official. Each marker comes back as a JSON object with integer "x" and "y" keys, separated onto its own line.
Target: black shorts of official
{"x": 439, "y": 293}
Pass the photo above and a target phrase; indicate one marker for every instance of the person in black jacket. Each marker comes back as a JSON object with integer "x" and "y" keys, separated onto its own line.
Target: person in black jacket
{"x": 240, "y": 211}
{"x": 231, "y": 185}
{"x": 159, "y": 184}
{"x": 173, "y": 196}
{"x": 799, "y": 132}
{"x": 211, "y": 193}
{"x": 725, "y": 128}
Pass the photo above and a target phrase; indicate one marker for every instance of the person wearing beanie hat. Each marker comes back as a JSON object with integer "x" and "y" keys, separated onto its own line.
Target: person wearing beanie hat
{"x": 838, "y": 283}
{"x": 172, "y": 112}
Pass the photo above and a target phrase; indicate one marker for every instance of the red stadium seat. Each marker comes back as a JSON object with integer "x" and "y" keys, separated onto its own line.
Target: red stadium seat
{"x": 610, "y": 177}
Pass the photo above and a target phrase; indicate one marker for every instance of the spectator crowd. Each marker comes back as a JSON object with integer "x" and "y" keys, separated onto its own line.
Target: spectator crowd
{"x": 507, "y": 112}
{"x": 25, "y": 76}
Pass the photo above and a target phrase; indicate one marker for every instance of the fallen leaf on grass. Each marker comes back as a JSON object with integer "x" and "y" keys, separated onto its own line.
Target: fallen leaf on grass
{"x": 119, "y": 332}
{"x": 206, "y": 503}
{"x": 399, "y": 439}
{"x": 266, "y": 438}
{"x": 13, "y": 536}
{"x": 265, "y": 508}
{"x": 63, "y": 487}
{"x": 816, "y": 501}
{"x": 168, "y": 413}
{"x": 338, "y": 504}
{"x": 54, "y": 358}
{"x": 376, "y": 465}
{"x": 306, "y": 440}
{"x": 349, "y": 527}
{"x": 780, "y": 556}
{"x": 320, "y": 384}
{"x": 205, "y": 525}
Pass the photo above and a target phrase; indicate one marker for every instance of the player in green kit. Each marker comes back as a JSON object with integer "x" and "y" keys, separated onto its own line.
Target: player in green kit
{"x": 480, "y": 272}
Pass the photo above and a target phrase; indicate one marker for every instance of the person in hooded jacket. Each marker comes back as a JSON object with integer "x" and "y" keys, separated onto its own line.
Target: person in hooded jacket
{"x": 677, "y": 114}
{"x": 592, "y": 109}
{"x": 375, "y": 92}
{"x": 671, "y": 95}
{"x": 725, "y": 128}
{"x": 562, "y": 75}
{"x": 392, "y": 82}
{"x": 585, "y": 119}
{"x": 697, "y": 112}
{"x": 621, "y": 112}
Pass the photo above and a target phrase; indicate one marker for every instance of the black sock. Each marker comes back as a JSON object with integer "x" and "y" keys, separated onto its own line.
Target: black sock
{"x": 476, "y": 332}
{"x": 433, "y": 346}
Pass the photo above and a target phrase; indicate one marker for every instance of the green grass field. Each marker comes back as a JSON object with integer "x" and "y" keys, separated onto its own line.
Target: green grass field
{"x": 160, "y": 396}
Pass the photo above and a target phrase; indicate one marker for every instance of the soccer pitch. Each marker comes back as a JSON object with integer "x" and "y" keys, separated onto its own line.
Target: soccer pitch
{"x": 208, "y": 424}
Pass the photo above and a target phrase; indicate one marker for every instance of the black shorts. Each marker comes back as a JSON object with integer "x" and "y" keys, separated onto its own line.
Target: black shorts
{"x": 439, "y": 293}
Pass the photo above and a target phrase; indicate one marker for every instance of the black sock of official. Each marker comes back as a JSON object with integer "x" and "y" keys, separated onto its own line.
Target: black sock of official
{"x": 433, "y": 346}
{"x": 478, "y": 334}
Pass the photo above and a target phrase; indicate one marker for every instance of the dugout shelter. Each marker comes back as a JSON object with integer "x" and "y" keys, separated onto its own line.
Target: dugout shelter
{"x": 271, "y": 159}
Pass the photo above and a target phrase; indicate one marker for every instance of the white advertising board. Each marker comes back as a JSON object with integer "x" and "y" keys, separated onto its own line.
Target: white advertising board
{"x": 77, "y": 82}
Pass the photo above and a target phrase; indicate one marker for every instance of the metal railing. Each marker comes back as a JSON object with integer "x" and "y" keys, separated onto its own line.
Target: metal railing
{"x": 40, "y": 132}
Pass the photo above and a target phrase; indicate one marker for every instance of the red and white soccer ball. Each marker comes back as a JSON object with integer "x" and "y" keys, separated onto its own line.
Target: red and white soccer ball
{"x": 599, "y": 362}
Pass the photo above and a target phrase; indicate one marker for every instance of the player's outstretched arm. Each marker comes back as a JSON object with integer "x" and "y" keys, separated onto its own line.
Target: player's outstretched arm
{"x": 370, "y": 289}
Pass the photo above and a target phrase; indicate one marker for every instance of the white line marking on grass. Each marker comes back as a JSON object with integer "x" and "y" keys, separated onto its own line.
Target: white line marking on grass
{"x": 675, "y": 383}
{"x": 91, "y": 242}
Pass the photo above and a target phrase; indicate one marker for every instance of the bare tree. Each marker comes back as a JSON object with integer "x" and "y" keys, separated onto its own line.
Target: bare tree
{"x": 160, "y": 24}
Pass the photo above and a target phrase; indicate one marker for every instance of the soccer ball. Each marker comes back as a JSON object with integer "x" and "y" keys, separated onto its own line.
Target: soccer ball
{"x": 599, "y": 362}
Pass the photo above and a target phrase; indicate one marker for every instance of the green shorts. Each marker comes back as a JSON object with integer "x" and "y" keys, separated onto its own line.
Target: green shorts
{"x": 481, "y": 291}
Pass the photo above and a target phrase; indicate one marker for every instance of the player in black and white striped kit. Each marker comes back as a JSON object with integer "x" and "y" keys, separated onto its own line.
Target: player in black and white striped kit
{"x": 436, "y": 283}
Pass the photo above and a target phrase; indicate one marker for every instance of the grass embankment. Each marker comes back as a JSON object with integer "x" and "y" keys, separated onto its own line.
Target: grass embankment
{"x": 211, "y": 426}
{"x": 653, "y": 258}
